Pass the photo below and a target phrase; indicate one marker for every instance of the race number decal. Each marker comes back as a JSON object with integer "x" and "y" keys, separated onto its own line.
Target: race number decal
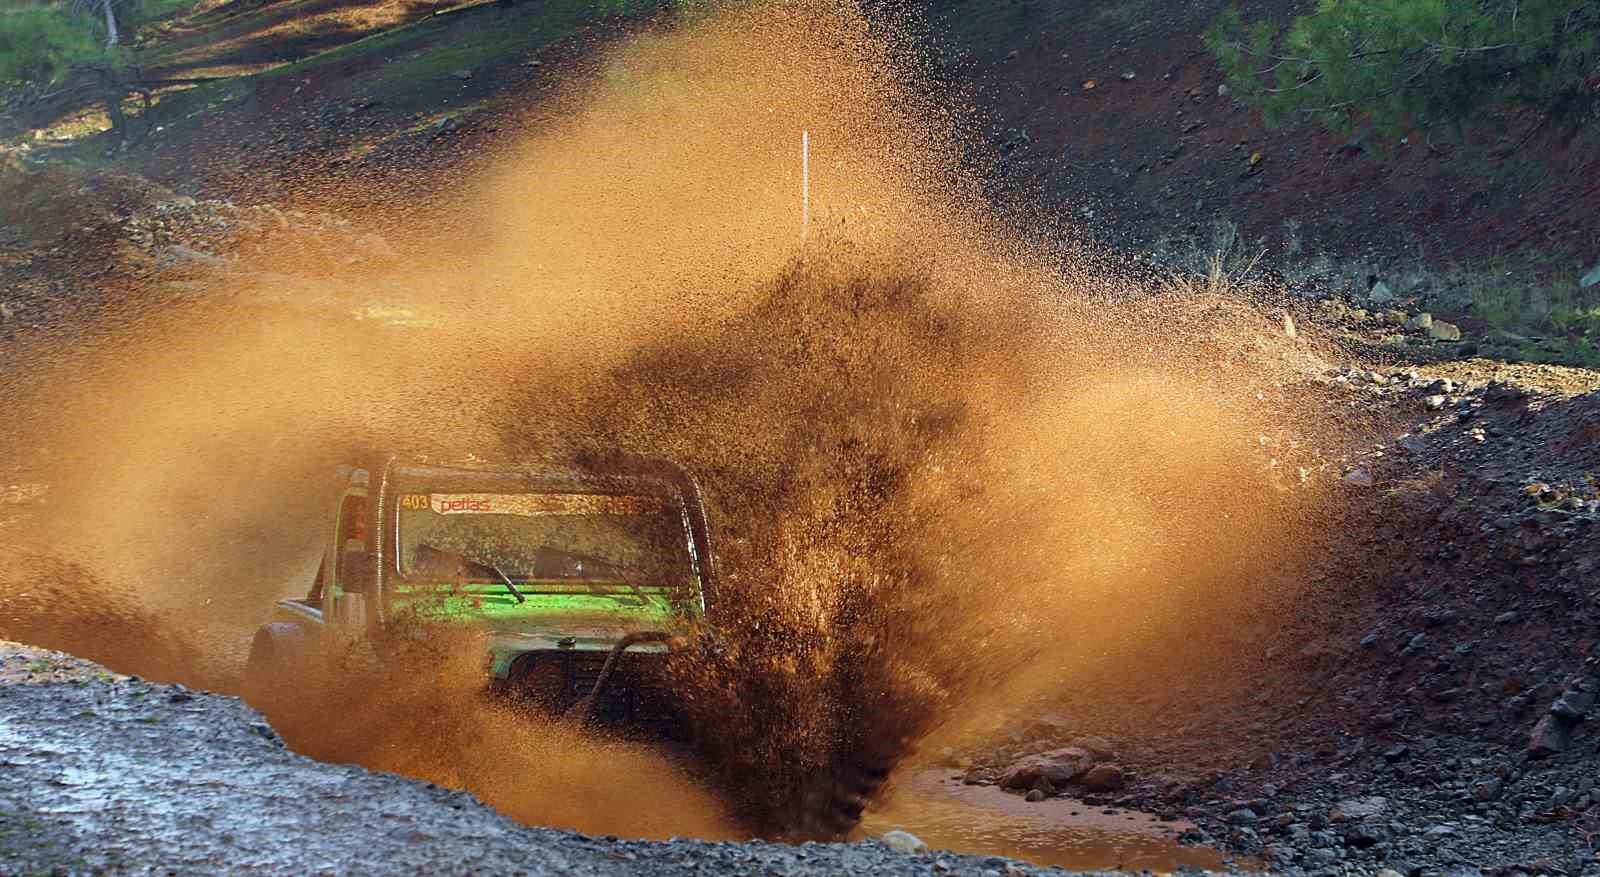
{"x": 415, "y": 501}
{"x": 539, "y": 504}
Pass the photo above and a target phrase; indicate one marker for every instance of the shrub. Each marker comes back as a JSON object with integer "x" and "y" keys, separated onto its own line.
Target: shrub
{"x": 1394, "y": 65}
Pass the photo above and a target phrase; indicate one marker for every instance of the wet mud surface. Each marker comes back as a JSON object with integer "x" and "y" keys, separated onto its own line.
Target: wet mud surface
{"x": 948, "y": 814}
{"x": 101, "y": 774}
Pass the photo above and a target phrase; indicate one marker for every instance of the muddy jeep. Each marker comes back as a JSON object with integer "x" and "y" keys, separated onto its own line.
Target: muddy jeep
{"x": 580, "y": 580}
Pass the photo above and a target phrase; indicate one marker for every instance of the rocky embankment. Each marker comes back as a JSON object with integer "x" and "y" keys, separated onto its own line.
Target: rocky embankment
{"x": 1433, "y": 711}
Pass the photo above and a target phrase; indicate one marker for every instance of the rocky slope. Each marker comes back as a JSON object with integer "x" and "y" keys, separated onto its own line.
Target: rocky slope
{"x": 1431, "y": 709}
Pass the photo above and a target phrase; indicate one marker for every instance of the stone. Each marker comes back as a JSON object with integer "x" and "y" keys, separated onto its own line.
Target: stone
{"x": 1364, "y": 834}
{"x": 1280, "y": 854}
{"x": 1573, "y": 704}
{"x": 1242, "y": 816}
{"x": 1549, "y": 736}
{"x": 1487, "y": 790}
{"x": 181, "y": 253}
{"x": 1412, "y": 444}
{"x": 1511, "y": 617}
{"x": 1098, "y": 747}
{"x": 1590, "y": 279}
{"x": 1359, "y": 808}
{"x": 1322, "y": 857}
{"x": 1439, "y": 330}
{"x": 1333, "y": 309}
{"x": 1059, "y": 766}
{"x": 1380, "y": 293}
{"x": 1223, "y": 91}
{"x": 1433, "y": 403}
{"x": 1034, "y": 796}
{"x": 1047, "y": 726}
{"x": 1104, "y": 778}
{"x": 903, "y": 842}
{"x": 1358, "y": 478}
{"x": 1421, "y": 321}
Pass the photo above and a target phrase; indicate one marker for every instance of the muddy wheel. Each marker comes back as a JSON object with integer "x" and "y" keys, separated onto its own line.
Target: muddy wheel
{"x": 832, "y": 801}
{"x": 277, "y": 658}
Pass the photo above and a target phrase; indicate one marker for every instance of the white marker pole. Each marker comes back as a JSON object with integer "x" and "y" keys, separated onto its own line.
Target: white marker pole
{"x": 805, "y": 182}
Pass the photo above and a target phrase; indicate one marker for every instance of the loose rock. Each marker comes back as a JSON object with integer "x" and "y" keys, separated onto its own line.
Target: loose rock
{"x": 904, "y": 842}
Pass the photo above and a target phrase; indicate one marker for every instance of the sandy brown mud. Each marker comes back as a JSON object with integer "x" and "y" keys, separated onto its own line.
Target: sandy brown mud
{"x": 100, "y": 774}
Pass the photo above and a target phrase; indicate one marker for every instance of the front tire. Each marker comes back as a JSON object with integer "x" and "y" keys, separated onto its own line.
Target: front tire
{"x": 277, "y": 659}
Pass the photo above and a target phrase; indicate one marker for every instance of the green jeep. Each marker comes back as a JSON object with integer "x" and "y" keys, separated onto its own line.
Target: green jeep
{"x": 580, "y": 579}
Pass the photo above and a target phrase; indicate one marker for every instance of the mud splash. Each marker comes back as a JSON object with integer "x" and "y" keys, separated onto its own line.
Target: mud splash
{"x": 945, "y": 474}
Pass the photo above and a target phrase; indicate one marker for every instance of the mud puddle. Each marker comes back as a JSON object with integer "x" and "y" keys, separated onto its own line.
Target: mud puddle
{"x": 983, "y": 820}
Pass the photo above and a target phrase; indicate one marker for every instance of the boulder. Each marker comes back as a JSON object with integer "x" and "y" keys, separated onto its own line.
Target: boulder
{"x": 1358, "y": 808}
{"x": 1439, "y": 330}
{"x": 1098, "y": 747}
{"x": 1358, "y": 478}
{"x": 1059, "y": 767}
{"x": 904, "y": 842}
{"x": 1550, "y": 736}
{"x": 1242, "y": 816}
{"x": 1574, "y": 704}
{"x": 1104, "y": 778}
{"x": 1423, "y": 320}
{"x": 1045, "y": 726}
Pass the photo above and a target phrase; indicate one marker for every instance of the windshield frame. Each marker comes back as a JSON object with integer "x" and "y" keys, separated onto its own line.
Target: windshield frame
{"x": 689, "y": 598}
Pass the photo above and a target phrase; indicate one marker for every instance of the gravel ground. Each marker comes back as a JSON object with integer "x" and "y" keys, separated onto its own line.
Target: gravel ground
{"x": 101, "y": 773}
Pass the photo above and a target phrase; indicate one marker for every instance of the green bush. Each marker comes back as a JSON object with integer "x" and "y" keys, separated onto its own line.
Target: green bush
{"x": 39, "y": 43}
{"x": 1397, "y": 65}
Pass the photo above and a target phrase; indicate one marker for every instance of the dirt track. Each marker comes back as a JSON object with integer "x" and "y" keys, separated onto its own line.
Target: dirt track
{"x": 112, "y": 774}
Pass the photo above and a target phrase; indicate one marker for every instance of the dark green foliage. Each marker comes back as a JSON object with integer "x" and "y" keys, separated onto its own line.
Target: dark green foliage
{"x": 40, "y": 43}
{"x": 1398, "y": 65}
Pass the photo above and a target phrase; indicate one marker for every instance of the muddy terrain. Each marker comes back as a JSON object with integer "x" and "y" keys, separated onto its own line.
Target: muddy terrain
{"x": 109, "y": 774}
{"x": 1103, "y": 560}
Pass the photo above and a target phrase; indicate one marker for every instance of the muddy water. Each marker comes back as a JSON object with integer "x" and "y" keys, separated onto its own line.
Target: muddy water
{"x": 983, "y": 820}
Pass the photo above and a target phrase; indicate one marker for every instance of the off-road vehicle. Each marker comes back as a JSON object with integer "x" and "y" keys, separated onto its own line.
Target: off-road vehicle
{"x": 579, "y": 579}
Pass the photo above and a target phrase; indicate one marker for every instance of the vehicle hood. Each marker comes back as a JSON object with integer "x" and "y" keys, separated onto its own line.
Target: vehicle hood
{"x": 590, "y": 620}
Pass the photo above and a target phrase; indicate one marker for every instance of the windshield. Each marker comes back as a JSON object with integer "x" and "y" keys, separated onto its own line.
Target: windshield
{"x": 543, "y": 542}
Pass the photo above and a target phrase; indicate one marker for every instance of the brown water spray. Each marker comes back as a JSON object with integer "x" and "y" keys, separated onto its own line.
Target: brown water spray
{"x": 945, "y": 474}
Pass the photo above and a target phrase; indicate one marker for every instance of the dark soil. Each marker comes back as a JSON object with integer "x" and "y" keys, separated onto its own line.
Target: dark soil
{"x": 1162, "y": 153}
